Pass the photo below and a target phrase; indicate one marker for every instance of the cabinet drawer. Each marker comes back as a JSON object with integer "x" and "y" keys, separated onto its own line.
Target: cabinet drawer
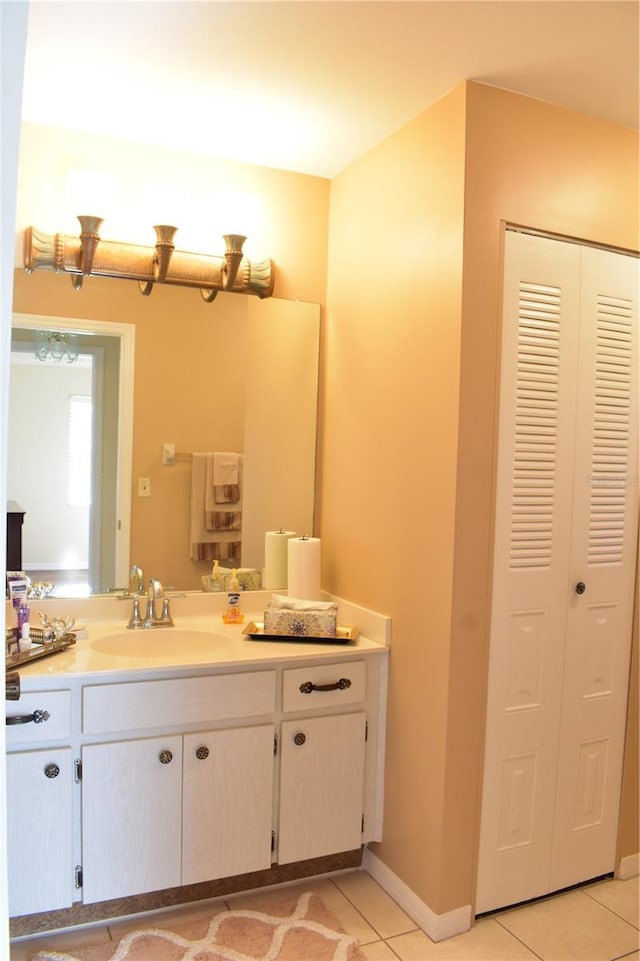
{"x": 323, "y": 685}
{"x": 139, "y": 705}
{"x": 55, "y": 727}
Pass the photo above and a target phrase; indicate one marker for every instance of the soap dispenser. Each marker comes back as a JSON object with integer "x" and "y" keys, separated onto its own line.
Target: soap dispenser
{"x": 232, "y": 614}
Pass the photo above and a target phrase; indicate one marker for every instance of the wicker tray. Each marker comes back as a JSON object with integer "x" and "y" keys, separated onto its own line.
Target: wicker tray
{"x": 40, "y": 647}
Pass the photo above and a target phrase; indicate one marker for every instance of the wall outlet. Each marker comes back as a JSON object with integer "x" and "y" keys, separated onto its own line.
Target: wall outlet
{"x": 144, "y": 487}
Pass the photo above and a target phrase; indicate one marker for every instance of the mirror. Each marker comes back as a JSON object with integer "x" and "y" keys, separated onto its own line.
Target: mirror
{"x": 240, "y": 375}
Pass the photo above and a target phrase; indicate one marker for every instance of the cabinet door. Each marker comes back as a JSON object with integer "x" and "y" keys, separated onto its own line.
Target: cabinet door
{"x": 131, "y": 817}
{"x": 227, "y": 802}
{"x": 321, "y": 786}
{"x": 39, "y": 852}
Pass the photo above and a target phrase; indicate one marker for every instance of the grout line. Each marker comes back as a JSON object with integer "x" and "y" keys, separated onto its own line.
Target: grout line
{"x": 612, "y": 911}
{"x": 523, "y": 943}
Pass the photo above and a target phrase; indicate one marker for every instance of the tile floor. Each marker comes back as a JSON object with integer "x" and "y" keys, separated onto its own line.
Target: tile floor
{"x": 598, "y": 922}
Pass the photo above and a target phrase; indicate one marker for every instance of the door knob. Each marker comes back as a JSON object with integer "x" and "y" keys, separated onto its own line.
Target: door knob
{"x": 165, "y": 757}
{"x": 202, "y": 753}
{"x": 581, "y": 587}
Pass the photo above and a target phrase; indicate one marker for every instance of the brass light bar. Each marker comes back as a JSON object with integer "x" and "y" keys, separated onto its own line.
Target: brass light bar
{"x": 89, "y": 255}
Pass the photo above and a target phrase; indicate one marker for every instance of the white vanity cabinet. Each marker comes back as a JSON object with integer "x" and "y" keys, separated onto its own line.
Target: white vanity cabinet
{"x": 131, "y": 817}
{"x": 176, "y": 808}
{"x": 172, "y": 776}
{"x": 39, "y": 804}
{"x": 322, "y": 764}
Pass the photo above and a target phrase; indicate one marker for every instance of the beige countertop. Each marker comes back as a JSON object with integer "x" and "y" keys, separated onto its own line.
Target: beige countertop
{"x": 199, "y": 641}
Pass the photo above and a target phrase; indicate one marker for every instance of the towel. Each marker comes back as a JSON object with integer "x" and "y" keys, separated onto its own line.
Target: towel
{"x": 223, "y": 466}
{"x": 212, "y": 538}
{"x": 223, "y": 480}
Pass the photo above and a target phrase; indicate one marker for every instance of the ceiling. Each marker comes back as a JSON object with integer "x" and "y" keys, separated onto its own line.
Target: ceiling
{"x": 310, "y": 86}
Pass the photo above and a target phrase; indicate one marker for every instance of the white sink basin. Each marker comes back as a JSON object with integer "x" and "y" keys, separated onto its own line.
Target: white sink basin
{"x": 160, "y": 643}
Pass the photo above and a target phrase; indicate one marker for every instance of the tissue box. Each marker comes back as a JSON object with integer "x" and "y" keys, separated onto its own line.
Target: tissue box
{"x": 248, "y": 579}
{"x": 300, "y": 623}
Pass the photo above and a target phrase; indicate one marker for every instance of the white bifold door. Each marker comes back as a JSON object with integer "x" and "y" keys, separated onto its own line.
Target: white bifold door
{"x": 564, "y": 569}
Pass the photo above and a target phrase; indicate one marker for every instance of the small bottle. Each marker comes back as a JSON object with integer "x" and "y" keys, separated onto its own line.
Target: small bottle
{"x": 24, "y": 631}
{"x": 233, "y": 615}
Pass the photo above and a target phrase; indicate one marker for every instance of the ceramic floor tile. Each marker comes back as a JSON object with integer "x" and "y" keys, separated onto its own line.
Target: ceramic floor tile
{"x": 378, "y": 951}
{"x": 486, "y": 941}
{"x": 571, "y": 927}
{"x": 381, "y": 911}
{"x": 621, "y": 897}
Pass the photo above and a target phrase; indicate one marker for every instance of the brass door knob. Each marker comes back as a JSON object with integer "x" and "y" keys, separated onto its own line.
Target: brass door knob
{"x": 52, "y": 770}
{"x": 165, "y": 757}
{"x": 202, "y": 753}
{"x": 299, "y": 738}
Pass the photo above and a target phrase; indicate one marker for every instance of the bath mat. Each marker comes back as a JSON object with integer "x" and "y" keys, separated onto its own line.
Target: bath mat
{"x": 296, "y": 928}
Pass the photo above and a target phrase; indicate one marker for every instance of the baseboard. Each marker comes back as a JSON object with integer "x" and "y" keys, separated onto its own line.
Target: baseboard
{"x": 436, "y": 926}
{"x": 629, "y": 867}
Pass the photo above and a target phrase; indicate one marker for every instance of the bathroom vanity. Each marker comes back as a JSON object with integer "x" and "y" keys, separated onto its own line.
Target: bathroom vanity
{"x": 171, "y": 766}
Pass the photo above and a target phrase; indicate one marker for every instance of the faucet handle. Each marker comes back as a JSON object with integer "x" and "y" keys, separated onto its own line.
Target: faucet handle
{"x": 135, "y": 621}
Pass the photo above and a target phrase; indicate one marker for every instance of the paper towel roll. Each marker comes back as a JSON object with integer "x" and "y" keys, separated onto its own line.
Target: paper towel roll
{"x": 275, "y": 559}
{"x": 303, "y": 574}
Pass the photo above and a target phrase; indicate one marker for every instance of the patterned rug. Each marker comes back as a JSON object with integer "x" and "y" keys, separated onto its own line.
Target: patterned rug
{"x": 296, "y": 928}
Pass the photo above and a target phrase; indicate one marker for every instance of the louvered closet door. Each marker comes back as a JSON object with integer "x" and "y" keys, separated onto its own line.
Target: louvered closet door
{"x": 548, "y": 504}
{"x": 604, "y": 538}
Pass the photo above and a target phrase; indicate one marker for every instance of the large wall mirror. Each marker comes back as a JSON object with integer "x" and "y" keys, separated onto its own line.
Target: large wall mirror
{"x": 245, "y": 382}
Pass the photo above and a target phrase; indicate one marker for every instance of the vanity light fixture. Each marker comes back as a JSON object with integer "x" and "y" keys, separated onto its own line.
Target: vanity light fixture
{"x": 90, "y": 255}
{"x": 56, "y": 345}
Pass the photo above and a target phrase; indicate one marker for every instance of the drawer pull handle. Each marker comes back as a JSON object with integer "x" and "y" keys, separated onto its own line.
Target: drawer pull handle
{"x": 37, "y": 717}
{"x": 308, "y": 687}
{"x": 165, "y": 757}
{"x": 202, "y": 753}
{"x": 299, "y": 739}
{"x": 52, "y": 770}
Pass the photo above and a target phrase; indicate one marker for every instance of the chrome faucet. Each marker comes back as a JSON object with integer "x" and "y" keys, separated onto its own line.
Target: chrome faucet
{"x": 136, "y": 590}
{"x": 154, "y": 594}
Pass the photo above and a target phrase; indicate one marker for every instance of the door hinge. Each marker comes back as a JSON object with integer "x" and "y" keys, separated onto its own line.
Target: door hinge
{"x": 362, "y": 825}
{"x": 78, "y": 876}
{"x": 273, "y": 841}
{"x": 275, "y": 744}
{"x": 77, "y": 770}
{"x": 366, "y": 730}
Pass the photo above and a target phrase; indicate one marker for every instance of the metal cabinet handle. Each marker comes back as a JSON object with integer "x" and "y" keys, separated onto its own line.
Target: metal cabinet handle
{"x": 308, "y": 686}
{"x": 52, "y": 770}
{"x": 202, "y": 753}
{"x": 165, "y": 757}
{"x": 299, "y": 738}
{"x": 38, "y": 717}
{"x": 581, "y": 587}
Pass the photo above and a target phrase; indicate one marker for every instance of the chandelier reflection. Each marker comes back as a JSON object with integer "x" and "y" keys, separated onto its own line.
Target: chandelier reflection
{"x": 56, "y": 346}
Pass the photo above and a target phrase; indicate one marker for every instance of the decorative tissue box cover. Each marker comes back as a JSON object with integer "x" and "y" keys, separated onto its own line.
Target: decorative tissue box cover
{"x": 248, "y": 579}
{"x": 300, "y": 623}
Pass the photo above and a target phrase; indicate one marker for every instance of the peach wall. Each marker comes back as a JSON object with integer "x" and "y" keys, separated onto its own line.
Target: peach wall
{"x": 409, "y": 424}
{"x": 390, "y": 425}
{"x": 539, "y": 165}
{"x": 182, "y": 392}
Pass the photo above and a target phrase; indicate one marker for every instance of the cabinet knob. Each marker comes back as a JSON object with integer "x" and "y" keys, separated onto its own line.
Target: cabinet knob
{"x": 299, "y": 738}
{"x": 52, "y": 770}
{"x": 165, "y": 757}
{"x": 581, "y": 587}
{"x": 202, "y": 753}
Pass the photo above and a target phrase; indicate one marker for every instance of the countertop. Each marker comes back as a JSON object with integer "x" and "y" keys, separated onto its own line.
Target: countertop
{"x": 198, "y": 623}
